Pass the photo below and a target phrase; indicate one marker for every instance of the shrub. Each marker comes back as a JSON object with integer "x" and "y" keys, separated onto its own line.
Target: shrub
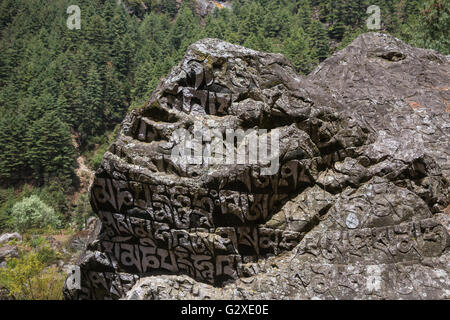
{"x": 98, "y": 157}
{"x": 81, "y": 212}
{"x": 26, "y": 278}
{"x": 31, "y": 212}
{"x": 36, "y": 241}
{"x": 54, "y": 195}
{"x": 47, "y": 255}
{"x": 7, "y": 200}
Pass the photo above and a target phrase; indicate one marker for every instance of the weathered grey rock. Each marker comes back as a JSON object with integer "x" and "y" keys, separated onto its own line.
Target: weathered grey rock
{"x": 80, "y": 240}
{"x": 355, "y": 209}
{"x": 8, "y": 251}
{"x": 393, "y": 88}
{"x": 6, "y": 237}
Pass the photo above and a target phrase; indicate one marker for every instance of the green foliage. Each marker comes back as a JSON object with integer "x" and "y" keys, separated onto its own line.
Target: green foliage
{"x": 33, "y": 213}
{"x": 98, "y": 156}
{"x": 54, "y": 195}
{"x": 434, "y": 27}
{"x": 35, "y": 241}
{"x": 50, "y": 152}
{"x": 55, "y": 82}
{"x": 320, "y": 45}
{"x": 97, "y": 146}
{"x": 28, "y": 278}
{"x": 81, "y": 212}
{"x": 47, "y": 255}
{"x": 7, "y": 200}
{"x": 297, "y": 48}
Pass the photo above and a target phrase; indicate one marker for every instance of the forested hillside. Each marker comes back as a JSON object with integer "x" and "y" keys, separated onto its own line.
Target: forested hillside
{"x": 62, "y": 88}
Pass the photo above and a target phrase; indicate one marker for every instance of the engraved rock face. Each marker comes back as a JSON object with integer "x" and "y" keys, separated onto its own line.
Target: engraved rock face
{"x": 354, "y": 207}
{"x": 396, "y": 89}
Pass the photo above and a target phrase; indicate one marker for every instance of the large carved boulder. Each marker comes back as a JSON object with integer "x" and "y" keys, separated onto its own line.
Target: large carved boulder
{"x": 344, "y": 202}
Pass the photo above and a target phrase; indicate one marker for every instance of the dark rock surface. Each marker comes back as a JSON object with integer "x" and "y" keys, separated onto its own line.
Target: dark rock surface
{"x": 355, "y": 210}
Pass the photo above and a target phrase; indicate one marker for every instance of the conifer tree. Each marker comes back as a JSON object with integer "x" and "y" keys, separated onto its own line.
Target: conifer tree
{"x": 297, "y": 49}
{"x": 50, "y": 153}
{"x": 319, "y": 41}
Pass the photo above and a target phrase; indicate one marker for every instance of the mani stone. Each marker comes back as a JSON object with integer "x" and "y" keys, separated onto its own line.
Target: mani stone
{"x": 356, "y": 209}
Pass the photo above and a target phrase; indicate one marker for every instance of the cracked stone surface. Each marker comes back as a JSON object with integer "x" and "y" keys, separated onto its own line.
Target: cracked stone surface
{"x": 357, "y": 209}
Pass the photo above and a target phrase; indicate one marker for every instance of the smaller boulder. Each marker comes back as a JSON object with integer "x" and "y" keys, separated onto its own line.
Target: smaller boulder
{"x": 6, "y": 237}
{"x": 8, "y": 251}
{"x": 79, "y": 240}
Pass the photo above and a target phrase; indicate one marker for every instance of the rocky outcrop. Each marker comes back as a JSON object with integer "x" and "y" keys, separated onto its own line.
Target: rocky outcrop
{"x": 8, "y": 251}
{"x": 393, "y": 89}
{"x": 80, "y": 240}
{"x": 348, "y": 202}
{"x": 6, "y": 237}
